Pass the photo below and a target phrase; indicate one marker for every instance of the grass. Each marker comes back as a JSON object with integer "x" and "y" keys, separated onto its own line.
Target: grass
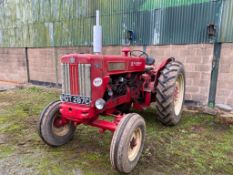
{"x": 198, "y": 145}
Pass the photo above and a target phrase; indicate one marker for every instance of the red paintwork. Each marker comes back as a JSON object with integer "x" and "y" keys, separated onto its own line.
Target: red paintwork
{"x": 161, "y": 67}
{"x": 60, "y": 122}
{"x": 74, "y": 79}
{"x": 105, "y": 125}
{"x": 126, "y": 51}
{"x": 77, "y": 113}
{"x": 88, "y": 114}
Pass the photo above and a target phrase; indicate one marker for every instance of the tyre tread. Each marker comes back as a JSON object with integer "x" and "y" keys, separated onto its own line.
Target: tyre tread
{"x": 164, "y": 92}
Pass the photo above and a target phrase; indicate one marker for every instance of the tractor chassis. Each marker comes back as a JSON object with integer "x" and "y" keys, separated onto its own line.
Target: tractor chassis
{"x": 164, "y": 85}
{"x": 89, "y": 116}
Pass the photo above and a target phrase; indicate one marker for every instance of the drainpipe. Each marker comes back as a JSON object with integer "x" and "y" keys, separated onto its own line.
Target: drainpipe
{"x": 216, "y": 57}
{"x": 214, "y": 74}
{"x": 27, "y": 65}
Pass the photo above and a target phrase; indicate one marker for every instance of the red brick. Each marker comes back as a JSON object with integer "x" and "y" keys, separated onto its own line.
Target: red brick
{"x": 194, "y": 59}
{"x": 202, "y": 68}
{"x": 231, "y": 69}
{"x": 43, "y": 65}
{"x": 189, "y": 67}
{"x": 188, "y": 96}
{"x": 205, "y": 76}
{"x": 185, "y": 52}
{"x": 201, "y": 83}
{"x": 225, "y": 68}
{"x": 196, "y": 75}
{"x": 192, "y": 89}
{"x": 207, "y": 59}
{"x": 189, "y": 81}
{"x": 13, "y": 65}
{"x": 223, "y": 92}
{"x": 226, "y": 85}
{"x": 225, "y": 77}
{"x": 199, "y": 97}
{"x": 229, "y": 102}
{"x": 204, "y": 90}
{"x": 220, "y": 99}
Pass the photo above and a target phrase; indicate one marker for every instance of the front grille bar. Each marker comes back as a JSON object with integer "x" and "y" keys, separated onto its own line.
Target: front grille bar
{"x": 83, "y": 83}
{"x": 84, "y": 80}
{"x": 66, "y": 79}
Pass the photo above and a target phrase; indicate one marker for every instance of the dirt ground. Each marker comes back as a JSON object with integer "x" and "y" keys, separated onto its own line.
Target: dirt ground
{"x": 198, "y": 145}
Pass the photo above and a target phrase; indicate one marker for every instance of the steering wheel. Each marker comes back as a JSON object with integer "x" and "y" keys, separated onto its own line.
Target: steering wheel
{"x": 139, "y": 54}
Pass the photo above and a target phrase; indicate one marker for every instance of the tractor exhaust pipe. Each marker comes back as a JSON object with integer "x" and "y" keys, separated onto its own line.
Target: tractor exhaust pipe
{"x": 97, "y": 35}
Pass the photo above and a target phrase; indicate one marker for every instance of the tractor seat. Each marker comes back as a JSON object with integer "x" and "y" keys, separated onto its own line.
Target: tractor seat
{"x": 150, "y": 61}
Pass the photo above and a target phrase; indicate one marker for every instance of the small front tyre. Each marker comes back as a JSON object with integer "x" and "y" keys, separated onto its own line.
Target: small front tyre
{"x": 127, "y": 143}
{"x": 54, "y": 130}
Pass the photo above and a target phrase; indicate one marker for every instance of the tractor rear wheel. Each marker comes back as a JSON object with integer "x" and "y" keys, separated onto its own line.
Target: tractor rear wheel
{"x": 54, "y": 130}
{"x": 170, "y": 93}
{"x": 127, "y": 143}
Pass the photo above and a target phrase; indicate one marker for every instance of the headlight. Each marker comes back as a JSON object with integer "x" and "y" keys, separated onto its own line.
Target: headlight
{"x": 99, "y": 104}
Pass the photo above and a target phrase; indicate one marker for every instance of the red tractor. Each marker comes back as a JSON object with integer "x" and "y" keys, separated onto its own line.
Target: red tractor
{"x": 95, "y": 85}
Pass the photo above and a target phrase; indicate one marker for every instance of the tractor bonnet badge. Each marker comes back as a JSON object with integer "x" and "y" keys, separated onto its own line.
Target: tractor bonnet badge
{"x": 72, "y": 60}
{"x": 136, "y": 63}
{"x": 97, "y": 82}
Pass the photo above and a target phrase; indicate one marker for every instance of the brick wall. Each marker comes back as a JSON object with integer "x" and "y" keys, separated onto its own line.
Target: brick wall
{"x": 13, "y": 65}
{"x": 225, "y": 78}
{"x": 197, "y": 60}
{"x": 44, "y": 65}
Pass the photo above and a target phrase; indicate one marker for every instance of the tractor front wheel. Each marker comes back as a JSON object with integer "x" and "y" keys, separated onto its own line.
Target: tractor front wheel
{"x": 53, "y": 129}
{"x": 127, "y": 143}
{"x": 170, "y": 93}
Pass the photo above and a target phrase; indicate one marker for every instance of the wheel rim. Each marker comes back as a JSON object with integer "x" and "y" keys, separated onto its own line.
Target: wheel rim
{"x": 179, "y": 94}
{"x": 135, "y": 144}
{"x": 59, "y": 126}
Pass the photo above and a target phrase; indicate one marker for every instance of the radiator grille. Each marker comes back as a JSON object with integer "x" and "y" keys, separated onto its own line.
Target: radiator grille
{"x": 84, "y": 80}
{"x": 66, "y": 79}
{"x": 76, "y": 79}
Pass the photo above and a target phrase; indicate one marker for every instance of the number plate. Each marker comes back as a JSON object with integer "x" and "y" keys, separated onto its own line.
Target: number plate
{"x": 75, "y": 99}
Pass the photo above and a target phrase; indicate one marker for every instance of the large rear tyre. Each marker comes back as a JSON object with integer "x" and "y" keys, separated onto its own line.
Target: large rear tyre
{"x": 127, "y": 143}
{"x": 54, "y": 130}
{"x": 170, "y": 93}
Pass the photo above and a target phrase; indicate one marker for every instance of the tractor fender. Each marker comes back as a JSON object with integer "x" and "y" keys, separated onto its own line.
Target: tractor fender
{"x": 161, "y": 67}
